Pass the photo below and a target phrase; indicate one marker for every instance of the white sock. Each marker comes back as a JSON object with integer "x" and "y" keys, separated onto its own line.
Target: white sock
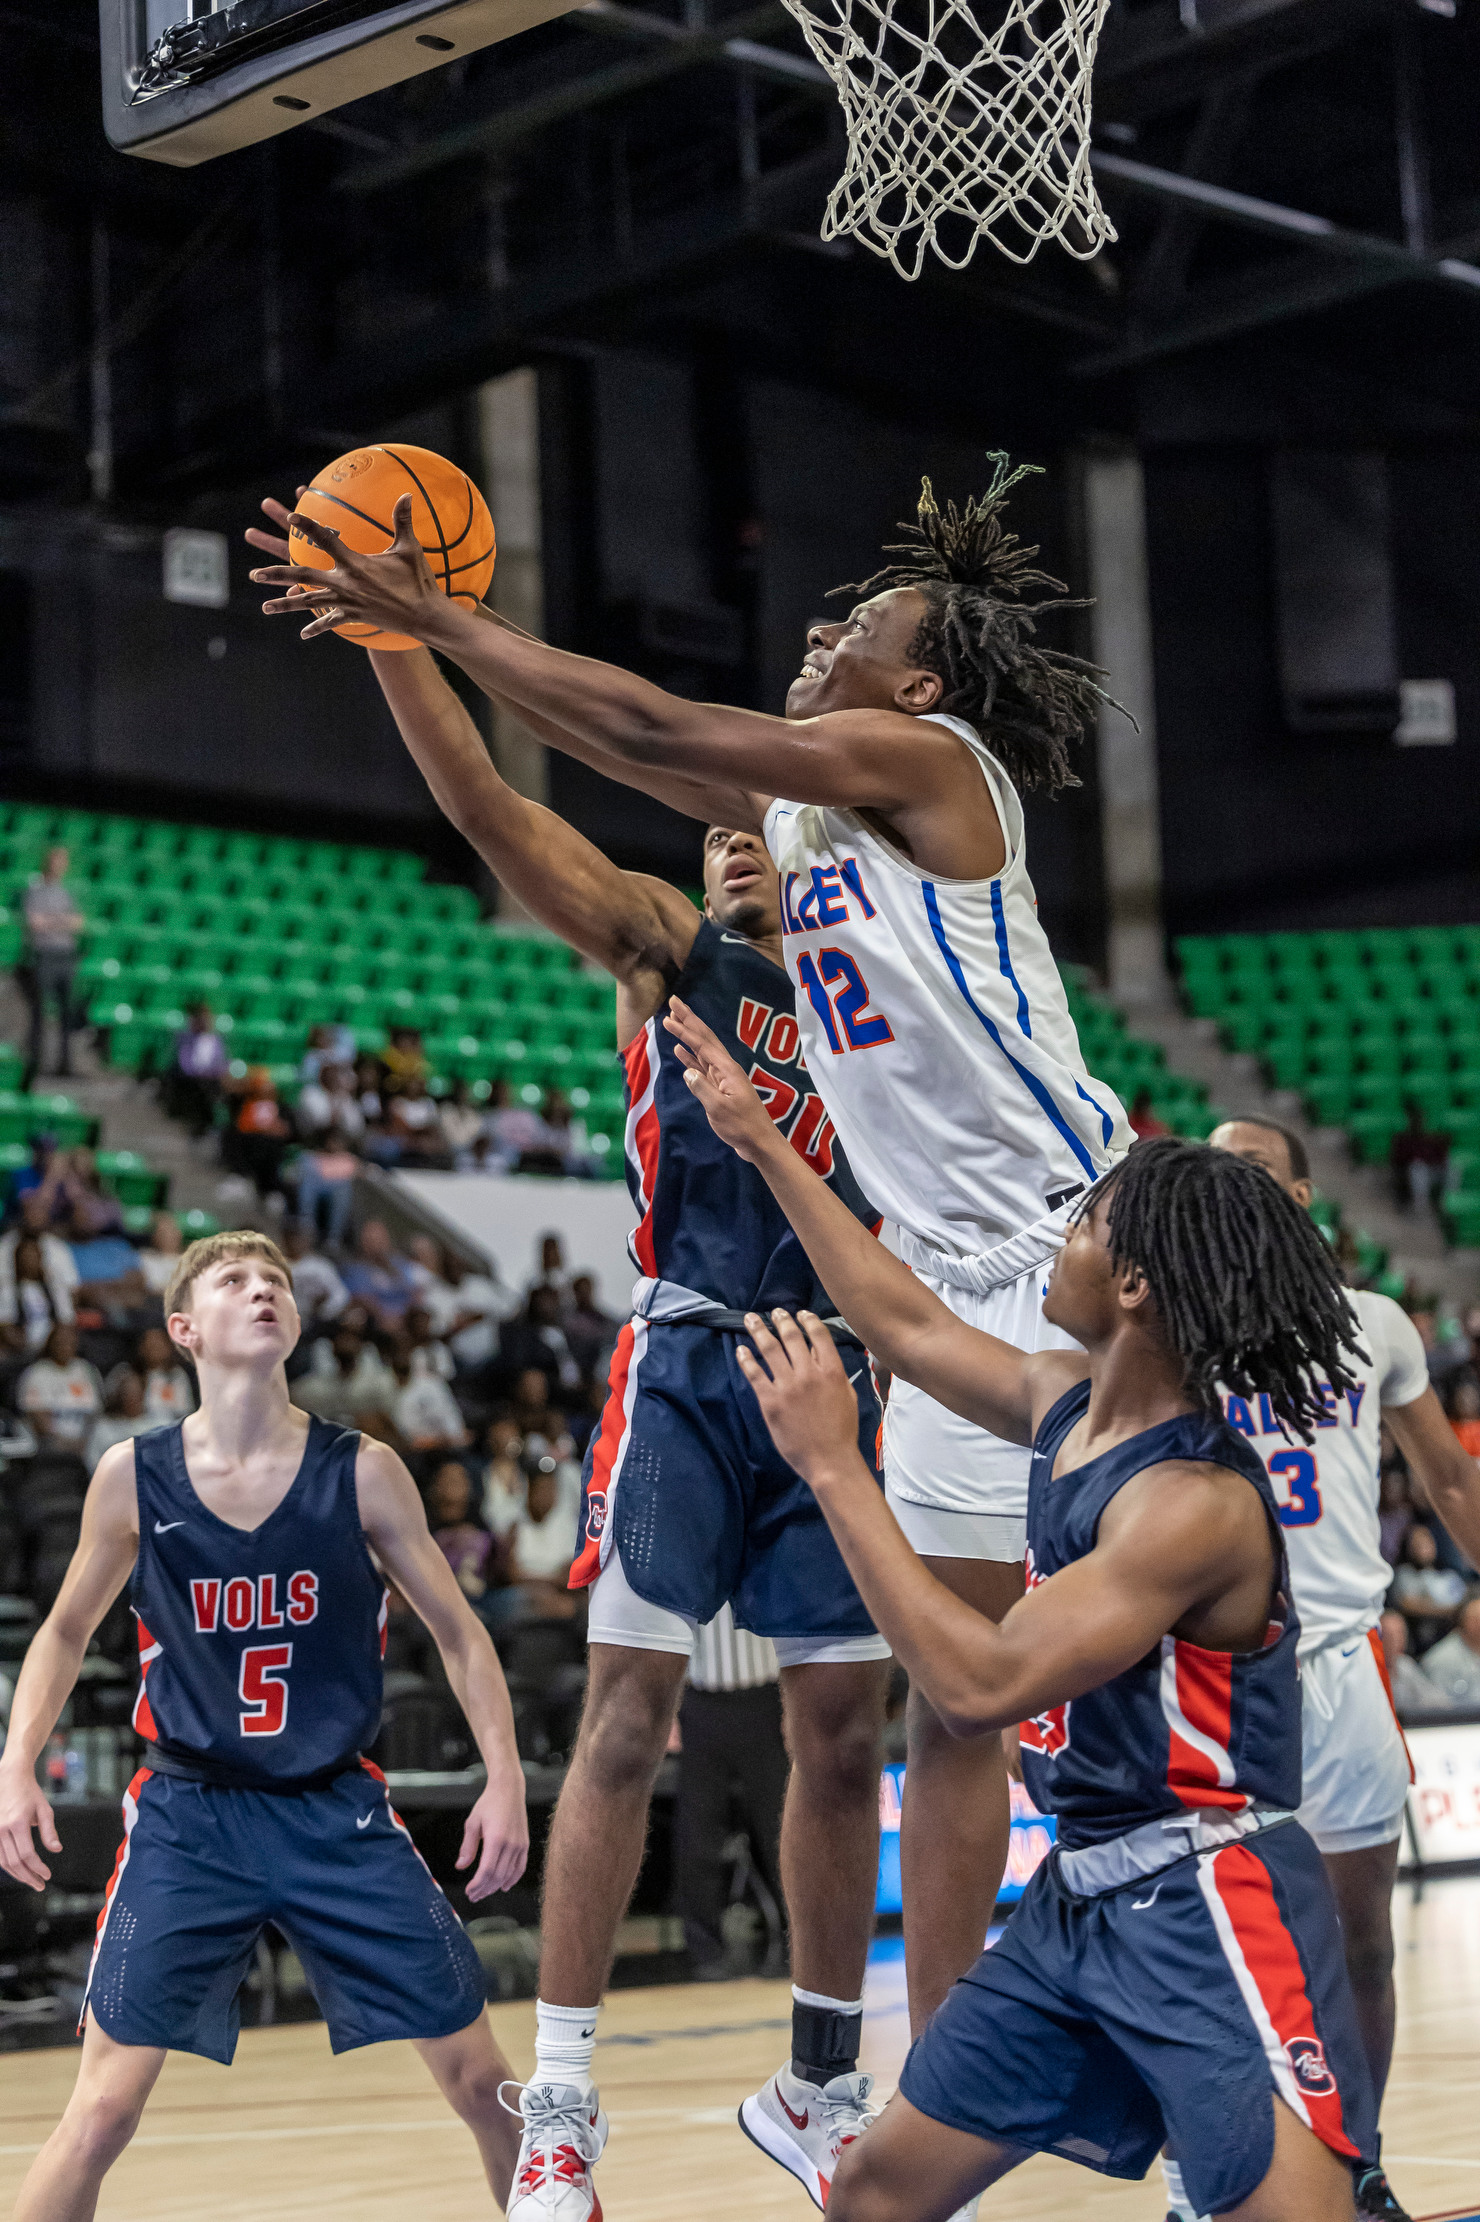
{"x": 564, "y": 2037}
{"x": 829, "y": 2005}
{"x": 1178, "y": 2202}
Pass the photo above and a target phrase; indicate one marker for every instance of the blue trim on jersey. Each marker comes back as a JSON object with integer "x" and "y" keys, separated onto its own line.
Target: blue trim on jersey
{"x": 1004, "y": 959}
{"x": 1105, "y": 1119}
{"x": 1029, "y": 1080}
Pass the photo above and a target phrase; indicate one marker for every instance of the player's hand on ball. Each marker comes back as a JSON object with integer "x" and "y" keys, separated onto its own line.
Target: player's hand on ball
{"x": 731, "y": 1105}
{"x": 394, "y": 591}
{"x": 497, "y": 1836}
{"x": 23, "y": 1807}
{"x": 805, "y": 1396}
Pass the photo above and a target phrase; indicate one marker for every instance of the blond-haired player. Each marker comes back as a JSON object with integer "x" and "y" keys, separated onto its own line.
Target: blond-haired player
{"x": 248, "y": 1531}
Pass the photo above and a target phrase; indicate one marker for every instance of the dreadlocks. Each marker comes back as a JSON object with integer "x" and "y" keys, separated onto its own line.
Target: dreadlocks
{"x": 1247, "y": 1287}
{"x": 977, "y": 632}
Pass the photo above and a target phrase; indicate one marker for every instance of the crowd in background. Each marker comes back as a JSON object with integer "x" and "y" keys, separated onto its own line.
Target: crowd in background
{"x": 488, "y": 1390}
{"x": 350, "y": 1107}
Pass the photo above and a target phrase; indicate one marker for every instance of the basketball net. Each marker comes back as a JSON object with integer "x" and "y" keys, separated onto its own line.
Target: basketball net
{"x": 957, "y": 133}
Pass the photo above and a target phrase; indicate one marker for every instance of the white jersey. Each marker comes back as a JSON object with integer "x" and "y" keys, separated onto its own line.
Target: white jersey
{"x": 1328, "y": 1492}
{"x": 936, "y": 1030}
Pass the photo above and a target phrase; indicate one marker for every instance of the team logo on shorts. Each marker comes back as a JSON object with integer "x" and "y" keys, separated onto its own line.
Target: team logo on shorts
{"x": 1307, "y": 2057}
{"x": 595, "y": 1515}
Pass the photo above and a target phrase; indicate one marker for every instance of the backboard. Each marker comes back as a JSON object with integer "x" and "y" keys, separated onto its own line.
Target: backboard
{"x": 183, "y": 81}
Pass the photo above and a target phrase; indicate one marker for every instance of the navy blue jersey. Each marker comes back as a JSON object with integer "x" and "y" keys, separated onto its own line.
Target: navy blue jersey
{"x": 259, "y": 1649}
{"x": 708, "y": 1221}
{"x": 1184, "y": 1728}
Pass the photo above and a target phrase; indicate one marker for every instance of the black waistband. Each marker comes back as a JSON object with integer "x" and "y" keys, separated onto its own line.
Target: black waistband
{"x": 733, "y": 1323}
{"x": 214, "y": 1774}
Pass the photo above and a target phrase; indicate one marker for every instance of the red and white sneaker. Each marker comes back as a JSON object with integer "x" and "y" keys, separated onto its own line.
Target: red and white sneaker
{"x": 564, "y": 2133}
{"x": 805, "y": 2126}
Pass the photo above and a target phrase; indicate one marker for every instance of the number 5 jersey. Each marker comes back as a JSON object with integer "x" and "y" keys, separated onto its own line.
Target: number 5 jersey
{"x": 259, "y": 1649}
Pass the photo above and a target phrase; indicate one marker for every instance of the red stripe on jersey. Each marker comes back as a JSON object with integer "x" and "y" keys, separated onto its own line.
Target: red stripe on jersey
{"x": 1382, "y": 1667}
{"x": 614, "y": 1422}
{"x": 640, "y": 1058}
{"x": 1273, "y": 1965}
{"x": 143, "y": 1721}
{"x": 1197, "y": 1701}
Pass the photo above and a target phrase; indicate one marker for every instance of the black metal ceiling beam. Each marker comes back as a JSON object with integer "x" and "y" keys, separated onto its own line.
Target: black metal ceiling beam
{"x": 1363, "y": 263}
{"x": 503, "y": 128}
{"x": 1154, "y": 60}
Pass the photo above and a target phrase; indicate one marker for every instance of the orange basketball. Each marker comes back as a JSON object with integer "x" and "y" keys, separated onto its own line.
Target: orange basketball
{"x": 356, "y": 496}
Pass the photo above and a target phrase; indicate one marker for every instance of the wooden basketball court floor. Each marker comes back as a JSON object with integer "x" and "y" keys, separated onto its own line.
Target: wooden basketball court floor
{"x": 291, "y": 2134}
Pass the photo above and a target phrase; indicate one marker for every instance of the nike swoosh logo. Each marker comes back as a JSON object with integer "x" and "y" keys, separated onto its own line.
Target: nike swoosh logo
{"x": 162, "y": 1527}
{"x": 364, "y": 1820}
{"x": 855, "y": 1377}
{"x": 1139, "y": 1905}
{"x": 797, "y": 2121}
{"x": 1348, "y": 1654}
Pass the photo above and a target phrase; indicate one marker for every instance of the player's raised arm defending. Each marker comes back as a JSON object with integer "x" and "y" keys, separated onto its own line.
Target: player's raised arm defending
{"x": 100, "y": 1566}
{"x": 395, "y": 1521}
{"x": 907, "y": 1328}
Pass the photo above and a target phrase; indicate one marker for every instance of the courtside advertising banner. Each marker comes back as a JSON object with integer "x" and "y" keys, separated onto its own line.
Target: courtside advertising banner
{"x": 1029, "y": 1842}
{"x": 1444, "y": 1802}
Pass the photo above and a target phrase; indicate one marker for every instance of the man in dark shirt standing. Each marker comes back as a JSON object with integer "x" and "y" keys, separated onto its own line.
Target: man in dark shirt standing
{"x": 53, "y": 924}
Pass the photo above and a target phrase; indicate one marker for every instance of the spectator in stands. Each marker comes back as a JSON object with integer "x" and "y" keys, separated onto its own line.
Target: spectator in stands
{"x": 1464, "y": 1410}
{"x": 542, "y": 1544}
{"x": 1418, "y": 1159}
{"x": 456, "y": 1529}
{"x": 503, "y": 1476}
{"x": 327, "y": 1045}
{"x": 348, "y": 1382}
{"x": 538, "y": 1421}
{"x": 537, "y": 1339}
{"x": 318, "y": 1291}
{"x": 61, "y": 1394}
{"x": 161, "y": 1254}
{"x": 1454, "y": 1663}
{"x": 427, "y": 1415}
{"x": 327, "y": 1102}
{"x": 413, "y": 1124}
{"x": 1426, "y": 1593}
{"x": 403, "y": 1056}
{"x": 590, "y": 1332}
{"x": 327, "y": 1174}
{"x": 368, "y": 1085}
{"x": 86, "y": 1210}
{"x": 466, "y": 1307}
{"x": 53, "y": 926}
{"x": 255, "y": 1142}
{"x": 462, "y": 1119}
{"x": 1144, "y": 1123}
{"x": 513, "y": 1128}
{"x": 380, "y": 1277}
{"x": 169, "y": 1392}
{"x": 197, "y": 1075}
{"x": 34, "y": 1174}
{"x": 35, "y": 1292}
{"x": 1413, "y": 1692}
{"x": 567, "y": 1138}
{"x": 123, "y": 1416}
{"x": 429, "y": 1354}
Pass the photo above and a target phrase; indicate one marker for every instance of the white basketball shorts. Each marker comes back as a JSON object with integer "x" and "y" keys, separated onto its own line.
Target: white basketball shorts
{"x": 957, "y": 1491}
{"x": 1357, "y": 1769}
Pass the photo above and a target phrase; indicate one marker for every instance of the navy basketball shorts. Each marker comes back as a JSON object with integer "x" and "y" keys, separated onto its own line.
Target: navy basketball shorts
{"x": 201, "y": 1872}
{"x": 682, "y": 1480}
{"x": 1167, "y": 2011}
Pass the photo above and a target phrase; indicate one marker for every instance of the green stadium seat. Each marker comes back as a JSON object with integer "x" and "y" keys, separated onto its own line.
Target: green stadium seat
{"x": 1370, "y": 1134}
{"x": 132, "y": 1179}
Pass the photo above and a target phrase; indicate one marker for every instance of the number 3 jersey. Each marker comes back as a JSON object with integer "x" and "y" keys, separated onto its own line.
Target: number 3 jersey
{"x": 1327, "y": 1491}
{"x": 937, "y": 1032}
{"x": 259, "y": 1649}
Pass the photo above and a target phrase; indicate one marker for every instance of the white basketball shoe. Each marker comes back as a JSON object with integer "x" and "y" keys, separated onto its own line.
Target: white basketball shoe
{"x": 564, "y": 2133}
{"x": 806, "y": 2126}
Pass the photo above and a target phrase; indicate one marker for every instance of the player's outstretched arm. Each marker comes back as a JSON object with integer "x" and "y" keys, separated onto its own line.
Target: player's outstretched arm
{"x": 1439, "y": 1461}
{"x": 395, "y": 1522}
{"x": 851, "y": 758}
{"x": 100, "y": 1566}
{"x": 696, "y": 799}
{"x": 907, "y": 1328}
{"x": 1175, "y": 1538}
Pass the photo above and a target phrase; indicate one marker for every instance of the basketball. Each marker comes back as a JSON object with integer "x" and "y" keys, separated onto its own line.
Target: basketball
{"x": 356, "y": 496}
